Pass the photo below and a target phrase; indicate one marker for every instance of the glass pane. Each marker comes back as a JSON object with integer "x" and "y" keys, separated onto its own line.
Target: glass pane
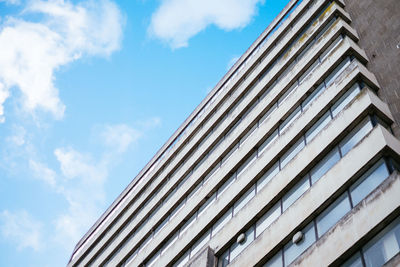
{"x": 291, "y": 251}
{"x": 227, "y": 156}
{"x": 354, "y": 261}
{"x": 368, "y": 182}
{"x": 287, "y": 93}
{"x": 317, "y": 127}
{"x": 295, "y": 192}
{"x": 337, "y": 71}
{"x": 309, "y": 71}
{"x": 222, "y": 221}
{"x": 355, "y": 136}
{"x": 237, "y": 248}
{"x": 345, "y": 99}
{"x": 275, "y": 261}
{"x": 313, "y": 95}
{"x": 333, "y": 214}
{"x": 239, "y": 204}
{"x": 268, "y": 218}
{"x": 384, "y": 246}
{"x": 247, "y": 163}
{"x": 224, "y": 259}
{"x": 289, "y": 119}
{"x": 200, "y": 243}
{"x": 267, "y": 176}
{"x": 332, "y": 46}
{"x": 225, "y": 185}
{"x": 266, "y": 115}
{"x": 325, "y": 165}
{"x": 267, "y": 142}
{"x": 207, "y": 204}
{"x": 293, "y": 151}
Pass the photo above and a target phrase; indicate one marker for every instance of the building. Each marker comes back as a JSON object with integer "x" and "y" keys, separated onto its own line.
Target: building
{"x": 291, "y": 159}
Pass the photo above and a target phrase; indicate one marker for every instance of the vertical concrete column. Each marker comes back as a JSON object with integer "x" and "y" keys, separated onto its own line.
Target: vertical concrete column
{"x": 378, "y": 25}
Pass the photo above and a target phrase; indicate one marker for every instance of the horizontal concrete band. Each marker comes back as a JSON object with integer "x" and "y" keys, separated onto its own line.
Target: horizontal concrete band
{"x": 333, "y": 181}
{"x": 182, "y": 190}
{"x": 345, "y": 119}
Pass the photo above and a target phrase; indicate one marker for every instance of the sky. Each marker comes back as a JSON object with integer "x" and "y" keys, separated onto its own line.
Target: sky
{"x": 89, "y": 91}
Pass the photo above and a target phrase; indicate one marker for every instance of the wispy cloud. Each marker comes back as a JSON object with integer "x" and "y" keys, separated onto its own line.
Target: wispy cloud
{"x": 22, "y": 229}
{"x": 61, "y": 33}
{"x": 176, "y": 21}
{"x": 120, "y": 136}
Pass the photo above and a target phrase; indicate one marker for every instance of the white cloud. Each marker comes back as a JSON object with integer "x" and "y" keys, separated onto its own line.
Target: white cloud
{"x": 176, "y": 21}
{"x": 32, "y": 51}
{"x": 18, "y": 136}
{"x": 119, "y": 136}
{"x": 42, "y": 172}
{"x": 22, "y": 229}
{"x": 83, "y": 188}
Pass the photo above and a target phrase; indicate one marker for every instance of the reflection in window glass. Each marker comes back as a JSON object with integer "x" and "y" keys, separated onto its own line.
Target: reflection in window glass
{"x": 317, "y": 127}
{"x": 384, "y": 246}
{"x": 244, "y": 199}
{"x": 325, "y": 165}
{"x": 355, "y": 136}
{"x": 292, "y": 251}
{"x": 276, "y": 261}
{"x": 333, "y": 214}
{"x": 237, "y": 248}
{"x": 268, "y": 218}
{"x": 354, "y": 261}
{"x": 293, "y": 151}
{"x": 267, "y": 176}
{"x": 368, "y": 182}
{"x": 345, "y": 99}
{"x": 295, "y": 192}
{"x": 337, "y": 71}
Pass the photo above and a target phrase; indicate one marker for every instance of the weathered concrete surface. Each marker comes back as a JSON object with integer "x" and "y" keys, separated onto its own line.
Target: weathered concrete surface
{"x": 378, "y": 25}
{"x": 205, "y": 258}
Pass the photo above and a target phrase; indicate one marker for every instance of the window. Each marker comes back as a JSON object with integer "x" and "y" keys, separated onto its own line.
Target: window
{"x": 292, "y": 251}
{"x": 345, "y": 99}
{"x": 289, "y": 119}
{"x": 317, "y": 127}
{"x": 237, "y": 248}
{"x": 267, "y": 176}
{"x": 295, "y": 192}
{"x": 325, "y": 165}
{"x": 369, "y": 182}
{"x": 333, "y": 214}
{"x": 275, "y": 261}
{"x": 293, "y": 151}
{"x": 222, "y": 221}
{"x": 355, "y": 136}
{"x": 267, "y": 142}
{"x": 384, "y": 246}
{"x": 268, "y": 218}
{"x": 239, "y": 204}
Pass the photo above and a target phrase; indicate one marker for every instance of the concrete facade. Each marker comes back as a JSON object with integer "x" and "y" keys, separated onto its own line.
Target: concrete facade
{"x": 299, "y": 122}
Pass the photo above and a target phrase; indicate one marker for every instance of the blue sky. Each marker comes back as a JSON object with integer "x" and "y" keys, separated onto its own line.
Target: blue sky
{"x": 89, "y": 91}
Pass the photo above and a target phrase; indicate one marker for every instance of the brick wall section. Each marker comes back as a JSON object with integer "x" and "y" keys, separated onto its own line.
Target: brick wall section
{"x": 378, "y": 25}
